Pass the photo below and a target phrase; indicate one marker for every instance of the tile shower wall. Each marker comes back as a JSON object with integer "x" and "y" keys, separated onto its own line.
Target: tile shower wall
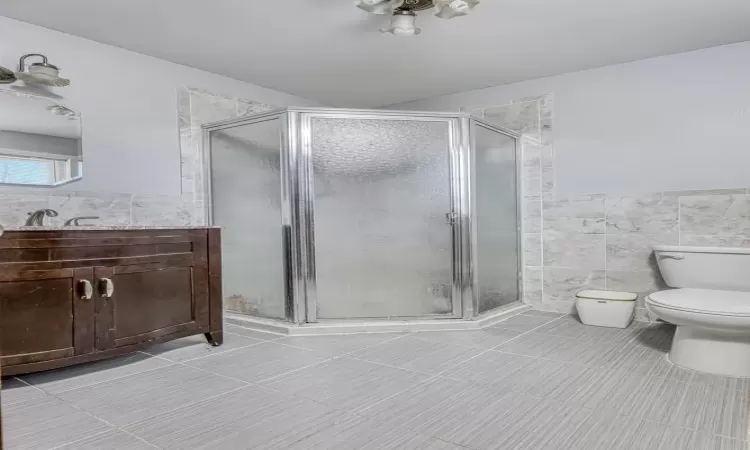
{"x": 195, "y": 108}
{"x": 602, "y": 241}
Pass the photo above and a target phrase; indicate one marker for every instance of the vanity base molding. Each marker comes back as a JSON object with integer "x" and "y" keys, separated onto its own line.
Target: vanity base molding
{"x": 75, "y": 296}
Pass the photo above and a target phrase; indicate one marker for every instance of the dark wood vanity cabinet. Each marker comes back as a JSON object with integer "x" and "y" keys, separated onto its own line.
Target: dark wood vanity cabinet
{"x": 74, "y": 296}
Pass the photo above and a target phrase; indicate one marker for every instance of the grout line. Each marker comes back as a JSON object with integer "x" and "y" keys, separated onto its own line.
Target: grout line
{"x": 491, "y": 349}
{"x": 278, "y": 336}
{"x": 283, "y": 374}
{"x": 213, "y": 373}
{"x": 367, "y": 347}
{"x": 494, "y": 349}
{"x": 329, "y": 359}
{"x": 679, "y": 221}
{"x": 172, "y": 363}
{"x": 96, "y": 383}
{"x": 444, "y": 343}
{"x": 83, "y": 438}
{"x": 481, "y": 350}
{"x": 541, "y": 239}
{"x": 694, "y": 430}
{"x": 210, "y": 353}
{"x": 88, "y": 414}
{"x": 606, "y": 274}
{"x": 188, "y": 405}
{"x": 430, "y": 378}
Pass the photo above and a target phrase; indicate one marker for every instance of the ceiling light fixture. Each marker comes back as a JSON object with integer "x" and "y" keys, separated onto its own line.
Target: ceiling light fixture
{"x": 404, "y": 12}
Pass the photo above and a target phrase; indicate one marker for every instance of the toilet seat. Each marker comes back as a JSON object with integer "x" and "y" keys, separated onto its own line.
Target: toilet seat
{"x": 713, "y": 329}
{"x": 703, "y": 301}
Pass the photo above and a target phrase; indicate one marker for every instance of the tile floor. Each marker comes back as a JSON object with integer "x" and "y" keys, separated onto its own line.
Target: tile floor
{"x": 535, "y": 381}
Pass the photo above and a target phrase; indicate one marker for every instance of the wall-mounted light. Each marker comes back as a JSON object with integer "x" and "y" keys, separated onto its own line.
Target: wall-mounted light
{"x": 7, "y": 76}
{"x": 42, "y": 73}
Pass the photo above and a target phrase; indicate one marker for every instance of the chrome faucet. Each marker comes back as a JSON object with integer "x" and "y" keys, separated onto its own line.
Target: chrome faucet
{"x": 36, "y": 218}
{"x": 74, "y": 222}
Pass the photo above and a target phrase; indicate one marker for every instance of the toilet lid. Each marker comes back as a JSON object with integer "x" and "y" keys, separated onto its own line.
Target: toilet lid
{"x": 707, "y": 301}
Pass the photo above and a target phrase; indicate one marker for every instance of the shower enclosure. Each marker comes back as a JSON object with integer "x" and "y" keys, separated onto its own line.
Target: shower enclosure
{"x": 334, "y": 214}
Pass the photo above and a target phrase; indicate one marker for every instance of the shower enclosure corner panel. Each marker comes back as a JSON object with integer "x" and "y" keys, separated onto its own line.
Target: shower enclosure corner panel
{"x": 495, "y": 218}
{"x": 357, "y": 214}
{"x": 246, "y": 193}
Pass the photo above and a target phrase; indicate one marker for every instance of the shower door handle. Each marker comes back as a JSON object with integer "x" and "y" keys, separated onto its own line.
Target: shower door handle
{"x": 451, "y": 218}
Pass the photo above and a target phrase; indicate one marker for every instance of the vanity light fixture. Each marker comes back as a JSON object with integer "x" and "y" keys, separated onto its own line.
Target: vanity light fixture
{"x": 7, "y": 76}
{"x": 404, "y": 12}
{"x": 40, "y": 72}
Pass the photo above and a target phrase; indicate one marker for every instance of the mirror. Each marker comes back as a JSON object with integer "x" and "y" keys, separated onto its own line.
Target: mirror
{"x": 40, "y": 141}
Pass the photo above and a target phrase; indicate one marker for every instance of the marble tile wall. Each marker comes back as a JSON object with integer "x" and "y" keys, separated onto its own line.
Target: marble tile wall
{"x": 111, "y": 209}
{"x": 195, "y": 108}
{"x": 601, "y": 241}
{"x": 614, "y": 251}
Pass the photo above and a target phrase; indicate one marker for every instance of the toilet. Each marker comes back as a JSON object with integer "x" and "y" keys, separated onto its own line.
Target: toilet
{"x": 711, "y": 307}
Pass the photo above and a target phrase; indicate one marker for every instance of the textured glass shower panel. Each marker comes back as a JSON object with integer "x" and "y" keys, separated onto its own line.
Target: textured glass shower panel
{"x": 246, "y": 195}
{"x": 496, "y": 215}
{"x": 382, "y": 245}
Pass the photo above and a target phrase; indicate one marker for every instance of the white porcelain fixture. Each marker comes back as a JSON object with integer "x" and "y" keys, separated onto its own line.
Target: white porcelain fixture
{"x": 606, "y": 308}
{"x": 404, "y": 12}
{"x": 711, "y": 309}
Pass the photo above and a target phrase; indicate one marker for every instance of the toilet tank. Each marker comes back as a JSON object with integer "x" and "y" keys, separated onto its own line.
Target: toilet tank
{"x": 704, "y": 267}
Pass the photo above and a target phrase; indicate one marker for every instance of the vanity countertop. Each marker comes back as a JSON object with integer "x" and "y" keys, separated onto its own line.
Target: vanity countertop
{"x": 110, "y": 228}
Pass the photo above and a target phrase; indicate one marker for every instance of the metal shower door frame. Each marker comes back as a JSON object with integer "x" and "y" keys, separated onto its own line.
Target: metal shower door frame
{"x": 306, "y": 297}
{"x": 297, "y": 200}
{"x": 290, "y": 239}
{"x": 471, "y": 296}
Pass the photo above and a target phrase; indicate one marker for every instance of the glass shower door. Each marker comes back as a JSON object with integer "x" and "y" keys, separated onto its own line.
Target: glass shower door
{"x": 246, "y": 203}
{"x": 383, "y": 233}
{"x": 496, "y": 218}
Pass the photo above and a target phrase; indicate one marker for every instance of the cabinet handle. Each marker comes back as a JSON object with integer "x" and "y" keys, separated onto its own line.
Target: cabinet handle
{"x": 106, "y": 287}
{"x": 85, "y": 289}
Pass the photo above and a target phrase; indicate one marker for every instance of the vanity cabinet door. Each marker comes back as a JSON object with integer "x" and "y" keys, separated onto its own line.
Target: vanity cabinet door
{"x": 47, "y": 315}
{"x": 142, "y": 302}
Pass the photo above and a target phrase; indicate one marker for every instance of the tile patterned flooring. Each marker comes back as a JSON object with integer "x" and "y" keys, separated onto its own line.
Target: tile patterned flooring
{"x": 534, "y": 381}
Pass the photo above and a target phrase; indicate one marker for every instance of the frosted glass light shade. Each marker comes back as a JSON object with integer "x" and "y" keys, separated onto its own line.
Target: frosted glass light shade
{"x": 448, "y": 9}
{"x": 379, "y": 6}
{"x": 403, "y": 24}
{"x": 43, "y": 74}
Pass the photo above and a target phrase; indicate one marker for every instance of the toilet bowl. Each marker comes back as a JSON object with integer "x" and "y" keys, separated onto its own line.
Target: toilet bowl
{"x": 711, "y": 309}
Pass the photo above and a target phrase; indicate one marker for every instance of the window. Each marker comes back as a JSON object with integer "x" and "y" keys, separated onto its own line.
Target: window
{"x": 24, "y": 170}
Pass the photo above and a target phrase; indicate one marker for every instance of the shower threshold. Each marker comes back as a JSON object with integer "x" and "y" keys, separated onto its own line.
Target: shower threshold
{"x": 356, "y": 326}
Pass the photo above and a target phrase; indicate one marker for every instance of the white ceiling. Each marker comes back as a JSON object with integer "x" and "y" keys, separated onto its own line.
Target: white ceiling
{"x": 330, "y": 51}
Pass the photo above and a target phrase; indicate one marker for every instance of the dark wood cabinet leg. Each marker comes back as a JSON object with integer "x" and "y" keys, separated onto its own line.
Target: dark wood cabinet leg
{"x": 215, "y": 338}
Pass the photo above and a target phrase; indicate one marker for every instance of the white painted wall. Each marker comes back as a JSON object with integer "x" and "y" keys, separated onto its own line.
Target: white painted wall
{"x": 128, "y": 104}
{"x": 669, "y": 123}
{"x": 32, "y": 142}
